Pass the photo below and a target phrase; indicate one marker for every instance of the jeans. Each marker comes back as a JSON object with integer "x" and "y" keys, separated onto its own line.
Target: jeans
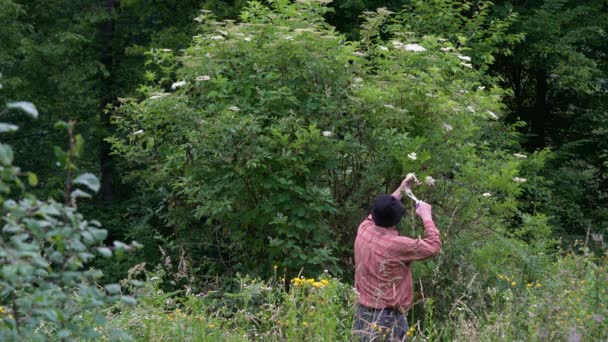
{"x": 379, "y": 325}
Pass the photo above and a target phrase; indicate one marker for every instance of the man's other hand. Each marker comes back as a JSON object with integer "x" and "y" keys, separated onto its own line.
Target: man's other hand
{"x": 424, "y": 210}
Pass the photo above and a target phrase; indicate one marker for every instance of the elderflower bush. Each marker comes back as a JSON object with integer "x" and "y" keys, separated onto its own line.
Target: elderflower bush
{"x": 267, "y": 140}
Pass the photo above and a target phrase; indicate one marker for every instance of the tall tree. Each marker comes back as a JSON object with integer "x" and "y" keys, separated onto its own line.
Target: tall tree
{"x": 107, "y": 97}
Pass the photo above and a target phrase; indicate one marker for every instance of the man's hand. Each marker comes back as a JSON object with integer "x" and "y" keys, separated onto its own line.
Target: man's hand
{"x": 424, "y": 210}
{"x": 406, "y": 184}
{"x": 409, "y": 181}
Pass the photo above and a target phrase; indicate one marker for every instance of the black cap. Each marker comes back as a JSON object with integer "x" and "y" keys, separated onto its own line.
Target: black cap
{"x": 387, "y": 211}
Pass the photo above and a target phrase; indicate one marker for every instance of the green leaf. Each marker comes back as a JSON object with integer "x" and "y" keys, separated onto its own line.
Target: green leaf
{"x": 78, "y": 147}
{"x": 113, "y": 288}
{"x": 27, "y": 107}
{"x": 6, "y": 154}
{"x": 4, "y": 127}
{"x": 89, "y": 180}
{"x": 60, "y": 125}
{"x": 32, "y": 178}
{"x": 79, "y": 193}
{"x": 128, "y": 300}
{"x": 105, "y": 252}
{"x": 99, "y": 234}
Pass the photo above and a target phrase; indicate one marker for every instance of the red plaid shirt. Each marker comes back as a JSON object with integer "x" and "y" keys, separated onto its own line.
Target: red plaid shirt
{"x": 383, "y": 277}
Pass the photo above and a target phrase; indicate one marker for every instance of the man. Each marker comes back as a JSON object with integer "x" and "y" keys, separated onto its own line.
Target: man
{"x": 383, "y": 277}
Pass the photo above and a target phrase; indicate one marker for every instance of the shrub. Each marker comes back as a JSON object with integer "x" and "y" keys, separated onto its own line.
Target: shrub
{"x": 266, "y": 141}
{"x": 45, "y": 247}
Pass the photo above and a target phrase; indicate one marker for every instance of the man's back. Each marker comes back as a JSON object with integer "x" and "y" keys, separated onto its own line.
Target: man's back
{"x": 382, "y": 263}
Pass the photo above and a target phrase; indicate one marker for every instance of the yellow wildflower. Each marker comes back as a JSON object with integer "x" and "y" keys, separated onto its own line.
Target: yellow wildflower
{"x": 305, "y": 324}
{"x": 275, "y": 267}
{"x": 538, "y": 285}
{"x": 529, "y": 285}
{"x": 317, "y": 285}
{"x": 310, "y": 281}
{"x": 211, "y": 326}
{"x": 2, "y": 309}
{"x": 325, "y": 282}
{"x": 513, "y": 283}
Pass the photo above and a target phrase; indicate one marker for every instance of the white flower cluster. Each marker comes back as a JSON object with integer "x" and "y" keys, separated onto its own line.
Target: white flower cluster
{"x": 178, "y": 84}
{"x": 412, "y": 156}
{"x": 520, "y": 155}
{"x": 203, "y": 78}
{"x": 519, "y": 180}
{"x": 408, "y": 47}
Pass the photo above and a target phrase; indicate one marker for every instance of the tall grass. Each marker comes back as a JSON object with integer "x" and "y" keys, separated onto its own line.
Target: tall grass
{"x": 570, "y": 303}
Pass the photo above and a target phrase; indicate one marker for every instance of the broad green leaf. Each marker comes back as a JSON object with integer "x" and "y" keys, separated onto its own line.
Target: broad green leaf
{"x": 27, "y": 107}
{"x": 78, "y": 145}
{"x": 6, "y": 154}
{"x": 105, "y": 252}
{"x": 32, "y": 178}
{"x": 89, "y": 180}
{"x": 113, "y": 288}
{"x": 4, "y": 127}
{"x": 79, "y": 193}
{"x": 128, "y": 300}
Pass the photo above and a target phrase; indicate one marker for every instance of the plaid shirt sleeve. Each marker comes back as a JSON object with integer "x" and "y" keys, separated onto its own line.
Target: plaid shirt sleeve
{"x": 408, "y": 249}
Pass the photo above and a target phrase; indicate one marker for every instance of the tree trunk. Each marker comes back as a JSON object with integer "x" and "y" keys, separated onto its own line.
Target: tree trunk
{"x": 105, "y": 158}
{"x": 540, "y": 113}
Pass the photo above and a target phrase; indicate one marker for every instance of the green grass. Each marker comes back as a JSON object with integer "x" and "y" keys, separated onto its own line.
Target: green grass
{"x": 569, "y": 303}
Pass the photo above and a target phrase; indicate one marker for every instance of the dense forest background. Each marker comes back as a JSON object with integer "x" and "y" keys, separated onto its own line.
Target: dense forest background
{"x": 78, "y": 59}
{"x": 223, "y": 158}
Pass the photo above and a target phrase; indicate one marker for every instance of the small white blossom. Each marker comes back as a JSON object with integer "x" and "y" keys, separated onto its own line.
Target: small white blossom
{"x": 447, "y": 127}
{"x": 382, "y": 48}
{"x": 178, "y": 84}
{"x": 327, "y": 133}
{"x": 464, "y": 58}
{"x": 412, "y": 156}
{"x": 429, "y": 180}
{"x": 466, "y": 65}
{"x": 247, "y": 39}
{"x": 357, "y": 80}
{"x": 158, "y": 95}
{"x": 389, "y": 106}
{"x": 234, "y": 108}
{"x": 486, "y": 194}
{"x": 446, "y": 49}
{"x": 217, "y": 38}
{"x": 414, "y": 48}
{"x": 288, "y": 38}
{"x": 358, "y": 53}
{"x": 481, "y": 88}
{"x": 520, "y": 155}
{"x": 493, "y": 115}
{"x": 203, "y": 78}
{"x": 166, "y": 50}
{"x": 141, "y": 131}
{"x": 519, "y": 180}
{"x": 471, "y": 109}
